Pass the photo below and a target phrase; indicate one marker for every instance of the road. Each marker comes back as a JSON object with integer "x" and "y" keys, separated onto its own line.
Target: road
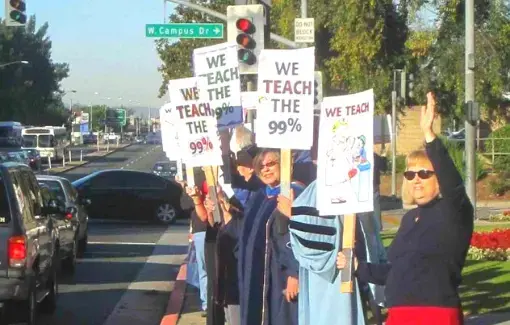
{"x": 127, "y": 273}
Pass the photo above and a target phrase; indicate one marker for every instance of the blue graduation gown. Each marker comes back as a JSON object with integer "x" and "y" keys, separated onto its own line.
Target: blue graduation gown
{"x": 250, "y": 254}
{"x": 280, "y": 264}
{"x": 315, "y": 242}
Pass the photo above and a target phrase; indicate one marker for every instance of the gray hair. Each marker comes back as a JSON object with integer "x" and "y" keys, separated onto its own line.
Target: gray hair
{"x": 242, "y": 137}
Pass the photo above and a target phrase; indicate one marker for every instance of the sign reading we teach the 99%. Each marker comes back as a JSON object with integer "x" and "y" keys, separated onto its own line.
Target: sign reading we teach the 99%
{"x": 286, "y": 93}
{"x": 220, "y": 85}
{"x": 198, "y": 133}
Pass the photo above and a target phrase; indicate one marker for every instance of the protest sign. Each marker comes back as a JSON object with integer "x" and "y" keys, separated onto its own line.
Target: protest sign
{"x": 346, "y": 154}
{"x": 198, "y": 133}
{"x": 286, "y": 93}
{"x": 170, "y": 137}
{"x": 221, "y": 83}
{"x": 169, "y": 134}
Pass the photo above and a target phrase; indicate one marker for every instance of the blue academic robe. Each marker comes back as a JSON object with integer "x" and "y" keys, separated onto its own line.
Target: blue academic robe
{"x": 280, "y": 264}
{"x": 315, "y": 242}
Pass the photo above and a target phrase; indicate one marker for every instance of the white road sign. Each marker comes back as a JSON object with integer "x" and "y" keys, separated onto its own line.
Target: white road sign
{"x": 304, "y": 30}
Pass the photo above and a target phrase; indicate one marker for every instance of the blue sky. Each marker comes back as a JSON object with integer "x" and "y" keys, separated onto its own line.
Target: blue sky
{"x": 105, "y": 45}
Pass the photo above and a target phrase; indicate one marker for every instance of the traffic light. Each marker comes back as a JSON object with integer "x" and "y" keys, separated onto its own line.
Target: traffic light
{"x": 317, "y": 99}
{"x": 15, "y": 13}
{"x": 245, "y": 27}
{"x": 410, "y": 87}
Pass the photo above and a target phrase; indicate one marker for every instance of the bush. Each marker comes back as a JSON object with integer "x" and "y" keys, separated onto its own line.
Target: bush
{"x": 501, "y": 163}
{"x": 456, "y": 151}
{"x": 499, "y": 186}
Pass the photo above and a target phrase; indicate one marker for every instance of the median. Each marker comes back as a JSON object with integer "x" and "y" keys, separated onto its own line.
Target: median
{"x": 81, "y": 159}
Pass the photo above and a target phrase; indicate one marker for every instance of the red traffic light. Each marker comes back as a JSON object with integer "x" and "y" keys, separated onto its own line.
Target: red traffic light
{"x": 245, "y": 25}
{"x": 18, "y": 5}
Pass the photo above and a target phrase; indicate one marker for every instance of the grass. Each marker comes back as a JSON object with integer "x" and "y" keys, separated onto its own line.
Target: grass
{"x": 485, "y": 284}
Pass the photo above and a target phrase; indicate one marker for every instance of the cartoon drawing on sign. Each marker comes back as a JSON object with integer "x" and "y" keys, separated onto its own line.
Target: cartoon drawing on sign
{"x": 347, "y": 170}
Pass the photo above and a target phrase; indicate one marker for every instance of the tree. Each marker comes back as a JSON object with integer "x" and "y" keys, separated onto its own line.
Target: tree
{"x": 358, "y": 43}
{"x": 30, "y": 93}
{"x": 492, "y": 56}
{"x": 177, "y": 54}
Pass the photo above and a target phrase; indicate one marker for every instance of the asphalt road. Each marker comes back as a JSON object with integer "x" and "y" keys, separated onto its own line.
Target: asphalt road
{"x": 127, "y": 273}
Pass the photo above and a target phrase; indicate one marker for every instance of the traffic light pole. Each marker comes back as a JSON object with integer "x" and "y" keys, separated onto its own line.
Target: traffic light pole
{"x": 207, "y": 11}
{"x": 394, "y": 143}
{"x": 470, "y": 99}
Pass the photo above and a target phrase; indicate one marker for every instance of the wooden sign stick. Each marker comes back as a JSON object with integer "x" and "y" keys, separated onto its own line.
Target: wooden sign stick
{"x": 285, "y": 181}
{"x": 348, "y": 239}
{"x": 211, "y": 174}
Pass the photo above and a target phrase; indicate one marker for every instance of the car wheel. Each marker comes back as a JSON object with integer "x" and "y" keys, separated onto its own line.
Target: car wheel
{"x": 49, "y": 304}
{"x": 166, "y": 214}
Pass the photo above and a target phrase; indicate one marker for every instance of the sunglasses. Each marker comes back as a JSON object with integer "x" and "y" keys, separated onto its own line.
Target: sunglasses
{"x": 268, "y": 165}
{"x": 423, "y": 174}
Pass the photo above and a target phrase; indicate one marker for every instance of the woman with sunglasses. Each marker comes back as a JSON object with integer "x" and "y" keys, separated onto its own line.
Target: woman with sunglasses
{"x": 429, "y": 250}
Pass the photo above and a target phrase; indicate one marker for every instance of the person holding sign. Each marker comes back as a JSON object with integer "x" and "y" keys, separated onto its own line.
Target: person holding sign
{"x": 251, "y": 246}
{"x": 429, "y": 251}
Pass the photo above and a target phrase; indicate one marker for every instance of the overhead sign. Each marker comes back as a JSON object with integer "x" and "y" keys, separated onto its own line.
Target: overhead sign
{"x": 304, "y": 30}
{"x": 185, "y": 30}
{"x": 116, "y": 116}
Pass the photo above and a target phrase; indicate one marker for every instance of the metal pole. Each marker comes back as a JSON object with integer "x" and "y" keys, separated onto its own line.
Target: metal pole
{"x": 394, "y": 143}
{"x": 207, "y": 11}
{"x": 304, "y": 8}
{"x": 164, "y": 11}
{"x": 90, "y": 119}
{"x": 250, "y": 86}
{"x": 470, "y": 98}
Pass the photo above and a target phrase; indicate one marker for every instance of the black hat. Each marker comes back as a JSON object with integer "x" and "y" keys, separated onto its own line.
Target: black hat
{"x": 244, "y": 157}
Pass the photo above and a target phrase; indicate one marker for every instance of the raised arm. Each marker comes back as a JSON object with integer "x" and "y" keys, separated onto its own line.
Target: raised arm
{"x": 450, "y": 181}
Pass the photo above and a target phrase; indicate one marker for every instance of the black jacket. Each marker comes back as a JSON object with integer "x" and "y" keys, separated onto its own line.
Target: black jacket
{"x": 427, "y": 256}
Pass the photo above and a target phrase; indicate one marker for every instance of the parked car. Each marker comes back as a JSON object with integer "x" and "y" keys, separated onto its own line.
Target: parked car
{"x": 75, "y": 208}
{"x": 28, "y": 245}
{"x": 66, "y": 229}
{"x": 130, "y": 195}
{"x": 165, "y": 169}
{"x": 34, "y": 158}
{"x": 153, "y": 139}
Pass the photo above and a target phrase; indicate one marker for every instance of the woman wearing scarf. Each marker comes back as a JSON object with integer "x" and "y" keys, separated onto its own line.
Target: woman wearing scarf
{"x": 429, "y": 250}
{"x": 251, "y": 244}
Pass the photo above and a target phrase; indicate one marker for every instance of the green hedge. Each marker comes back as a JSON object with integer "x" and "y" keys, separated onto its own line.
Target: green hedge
{"x": 501, "y": 163}
{"x": 456, "y": 151}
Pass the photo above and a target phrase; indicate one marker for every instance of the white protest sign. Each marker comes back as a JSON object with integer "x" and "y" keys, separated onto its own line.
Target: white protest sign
{"x": 286, "y": 94}
{"x": 169, "y": 132}
{"x": 249, "y": 99}
{"x": 346, "y": 154}
{"x": 198, "y": 133}
{"x": 221, "y": 83}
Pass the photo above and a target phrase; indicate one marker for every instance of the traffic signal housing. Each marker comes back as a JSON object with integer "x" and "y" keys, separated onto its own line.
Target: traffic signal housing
{"x": 15, "y": 13}
{"x": 245, "y": 27}
{"x": 317, "y": 99}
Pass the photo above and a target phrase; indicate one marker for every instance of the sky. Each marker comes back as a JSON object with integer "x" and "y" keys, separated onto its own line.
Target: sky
{"x": 105, "y": 45}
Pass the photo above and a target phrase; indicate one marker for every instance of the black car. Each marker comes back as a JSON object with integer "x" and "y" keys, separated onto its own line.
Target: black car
{"x": 130, "y": 195}
{"x": 166, "y": 169}
{"x": 28, "y": 247}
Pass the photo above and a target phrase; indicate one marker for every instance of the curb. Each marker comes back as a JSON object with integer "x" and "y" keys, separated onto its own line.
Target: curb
{"x": 88, "y": 162}
{"x": 176, "y": 301}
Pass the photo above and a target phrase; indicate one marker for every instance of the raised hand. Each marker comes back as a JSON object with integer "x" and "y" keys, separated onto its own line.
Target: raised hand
{"x": 285, "y": 204}
{"x": 428, "y": 115}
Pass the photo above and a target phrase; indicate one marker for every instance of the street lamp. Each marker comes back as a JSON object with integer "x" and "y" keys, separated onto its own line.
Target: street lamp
{"x": 12, "y": 63}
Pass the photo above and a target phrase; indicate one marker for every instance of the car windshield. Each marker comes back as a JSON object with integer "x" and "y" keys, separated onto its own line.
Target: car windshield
{"x": 55, "y": 187}
{"x": 30, "y": 141}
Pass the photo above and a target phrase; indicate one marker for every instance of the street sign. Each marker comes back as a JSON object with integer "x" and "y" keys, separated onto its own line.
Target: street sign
{"x": 184, "y": 30}
{"x": 304, "y": 30}
{"x": 116, "y": 116}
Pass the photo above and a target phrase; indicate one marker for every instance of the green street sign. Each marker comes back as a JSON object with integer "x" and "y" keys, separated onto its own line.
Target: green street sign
{"x": 184, "y": 30}
{"x": 116, "y": 116}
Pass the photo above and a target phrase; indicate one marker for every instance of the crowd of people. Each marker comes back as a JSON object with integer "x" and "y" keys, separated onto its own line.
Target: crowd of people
{"x": 273, "y": 260}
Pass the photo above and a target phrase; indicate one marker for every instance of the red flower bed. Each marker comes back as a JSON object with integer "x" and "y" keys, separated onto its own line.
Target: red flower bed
{"x": 499, "y": 238}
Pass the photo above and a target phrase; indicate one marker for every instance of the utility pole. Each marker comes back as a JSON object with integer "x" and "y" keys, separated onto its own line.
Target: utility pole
{"x": 394, "y": 143}
{"x": 470, "y": 101}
